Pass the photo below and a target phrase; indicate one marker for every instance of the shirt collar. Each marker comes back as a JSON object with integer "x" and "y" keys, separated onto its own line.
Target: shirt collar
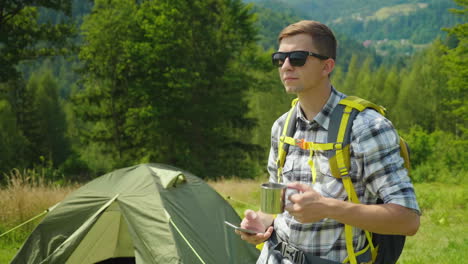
{"x": 323, "y": 117}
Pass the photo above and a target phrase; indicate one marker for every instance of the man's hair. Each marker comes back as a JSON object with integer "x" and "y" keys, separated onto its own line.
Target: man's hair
{"x": 322, "y": 36}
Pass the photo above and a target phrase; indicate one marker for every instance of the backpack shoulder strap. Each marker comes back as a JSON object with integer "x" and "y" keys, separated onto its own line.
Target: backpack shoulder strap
{"x": 339, "y": 131}
{"x": 361, "y": 104}
{"x": 289, "y": 129}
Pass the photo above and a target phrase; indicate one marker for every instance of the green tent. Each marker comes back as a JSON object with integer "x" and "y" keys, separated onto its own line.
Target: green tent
{"x": 150, "y": 213}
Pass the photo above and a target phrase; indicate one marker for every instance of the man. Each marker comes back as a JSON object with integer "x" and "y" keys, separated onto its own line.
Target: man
{"x": 314, "y": 217}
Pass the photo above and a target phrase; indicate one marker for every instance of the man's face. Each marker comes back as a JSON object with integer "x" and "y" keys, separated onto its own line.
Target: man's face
{"x": 301, "y": 79}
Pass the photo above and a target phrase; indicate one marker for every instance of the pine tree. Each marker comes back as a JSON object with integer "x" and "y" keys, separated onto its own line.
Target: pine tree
{"x": 390, "y": 90}
{"x": 12, "y": 142}
{"x": 422, "y": 91}
{"x": 351, "y": 80}
{"x": 376, "y": 94}
{"x": 456, "y": 65}
{"x": 46, "y": 131}
{"x": 364, "y": 82}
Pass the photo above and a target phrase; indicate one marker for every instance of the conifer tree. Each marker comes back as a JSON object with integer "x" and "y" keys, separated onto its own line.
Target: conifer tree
{"x": 422, "y": 90}
{"x": 12, "y": 142}
{"x": 46, "y": 132}
{"x": 390, "y": 90}
{"x": 351, "y": 81}
{"x": 364, "y": 81}
{"x": 456, "y": 68}
{"x": 376, "y": 93}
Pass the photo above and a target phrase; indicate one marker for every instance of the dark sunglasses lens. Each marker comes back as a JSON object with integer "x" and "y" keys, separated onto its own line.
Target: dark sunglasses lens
{"x": 278, "y": 59}
{"x": 298, "y": 58}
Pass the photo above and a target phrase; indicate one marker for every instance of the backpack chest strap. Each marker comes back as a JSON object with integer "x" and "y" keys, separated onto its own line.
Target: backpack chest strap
{"x": 306, "y": 145}
{"x": 312, "y": 147}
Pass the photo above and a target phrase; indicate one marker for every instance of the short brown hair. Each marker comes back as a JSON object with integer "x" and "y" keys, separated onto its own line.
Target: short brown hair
{"x": 322, "y": 36}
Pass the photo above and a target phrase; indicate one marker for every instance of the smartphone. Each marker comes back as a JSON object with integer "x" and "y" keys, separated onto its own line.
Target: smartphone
{"x": 241, "y": 229}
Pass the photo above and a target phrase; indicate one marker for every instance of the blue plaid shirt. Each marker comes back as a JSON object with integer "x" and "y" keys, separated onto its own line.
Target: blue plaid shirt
{"x": 377, "y": 172}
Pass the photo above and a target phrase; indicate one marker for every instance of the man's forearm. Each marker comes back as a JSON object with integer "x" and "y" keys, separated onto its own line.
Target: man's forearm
{"x": 379, "y": 218}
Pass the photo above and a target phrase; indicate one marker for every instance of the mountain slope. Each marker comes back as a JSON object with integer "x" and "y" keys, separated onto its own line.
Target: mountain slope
{"x": 392, "y": 25}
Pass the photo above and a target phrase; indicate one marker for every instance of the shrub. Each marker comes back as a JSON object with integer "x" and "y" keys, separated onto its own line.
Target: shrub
{"x": 437, "y": 156}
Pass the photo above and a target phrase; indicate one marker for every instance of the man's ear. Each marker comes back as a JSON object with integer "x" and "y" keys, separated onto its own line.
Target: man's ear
{"x": 328, "y": 66}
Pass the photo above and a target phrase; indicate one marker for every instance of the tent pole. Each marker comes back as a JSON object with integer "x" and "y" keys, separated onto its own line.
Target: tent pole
{"x": 20, "y": 225}
{"x": 185, "y": 239}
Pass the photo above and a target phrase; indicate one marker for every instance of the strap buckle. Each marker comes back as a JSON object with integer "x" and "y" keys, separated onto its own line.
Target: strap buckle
{"x": 338, "y": 145}
{"x": 282, "y": 138}
{"x": 344, "y": 172}
{"x": 293, "y": 254}
{"x": 302, "y": 144}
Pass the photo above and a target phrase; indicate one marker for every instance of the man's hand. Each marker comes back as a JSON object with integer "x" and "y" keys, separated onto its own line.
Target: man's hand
{"x": 308, "y": 206}
{"x": 256, "y": 222}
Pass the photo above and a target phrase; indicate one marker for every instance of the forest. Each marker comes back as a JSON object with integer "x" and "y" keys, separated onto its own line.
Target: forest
{"x": 90, "y": 86}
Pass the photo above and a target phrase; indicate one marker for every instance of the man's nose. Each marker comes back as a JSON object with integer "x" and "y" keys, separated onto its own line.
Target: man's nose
{"x": 286, "y": 65}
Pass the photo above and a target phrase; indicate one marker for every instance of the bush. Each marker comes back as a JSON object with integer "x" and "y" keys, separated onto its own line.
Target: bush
{"x": 76, "y": 169}
{"x": 437, "y": 156}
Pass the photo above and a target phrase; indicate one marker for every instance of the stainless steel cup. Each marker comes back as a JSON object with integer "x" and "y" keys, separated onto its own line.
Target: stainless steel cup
{"x": 272, "y": 198}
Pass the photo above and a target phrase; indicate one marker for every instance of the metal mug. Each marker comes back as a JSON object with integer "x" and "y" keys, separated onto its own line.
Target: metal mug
{"x": 272, "y": 198}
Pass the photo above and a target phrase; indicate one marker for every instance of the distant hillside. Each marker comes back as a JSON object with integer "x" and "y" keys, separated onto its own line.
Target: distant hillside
{"x": 391, "y": 25}
{"x": 271, "y": 20}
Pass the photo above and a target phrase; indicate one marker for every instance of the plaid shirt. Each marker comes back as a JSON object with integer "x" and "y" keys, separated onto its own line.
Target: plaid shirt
{"x": 377, "y": 171}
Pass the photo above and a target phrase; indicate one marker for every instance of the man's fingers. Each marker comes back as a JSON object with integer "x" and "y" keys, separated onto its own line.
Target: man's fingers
{"x": 250, "y": 214}
{"x": 252, "y": 238}
{"x": 295, "y": 198}
{"x": 268, "y": 233}
{"x": 299, "y": 186}
{"x": 256, "y": 238}
{"x": 293, "y": 208}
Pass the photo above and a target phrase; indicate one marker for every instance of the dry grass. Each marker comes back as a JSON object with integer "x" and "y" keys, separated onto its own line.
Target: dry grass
{"x": 241, "y": 193}
{"x": 26, "y": 195}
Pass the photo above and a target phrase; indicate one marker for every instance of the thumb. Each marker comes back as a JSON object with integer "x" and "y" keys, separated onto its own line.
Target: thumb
{"x": 250, "y": 214}
{"x": 299, "y": 186}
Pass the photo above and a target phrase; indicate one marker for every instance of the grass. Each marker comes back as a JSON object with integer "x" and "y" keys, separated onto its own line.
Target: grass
{"x": 25, "y": 196}
{"x": 442, "y": 237}
{"x": 241, "y": 194}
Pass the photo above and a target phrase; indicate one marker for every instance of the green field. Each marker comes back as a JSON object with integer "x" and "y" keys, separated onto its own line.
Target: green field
{"x": 442, "y": 237}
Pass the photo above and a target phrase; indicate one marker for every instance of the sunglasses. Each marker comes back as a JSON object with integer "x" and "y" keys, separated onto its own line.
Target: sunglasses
{"x": 296, "y": 58}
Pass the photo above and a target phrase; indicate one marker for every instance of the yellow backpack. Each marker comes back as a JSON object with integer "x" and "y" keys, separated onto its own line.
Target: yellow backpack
{"x": 384, "y": 248}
